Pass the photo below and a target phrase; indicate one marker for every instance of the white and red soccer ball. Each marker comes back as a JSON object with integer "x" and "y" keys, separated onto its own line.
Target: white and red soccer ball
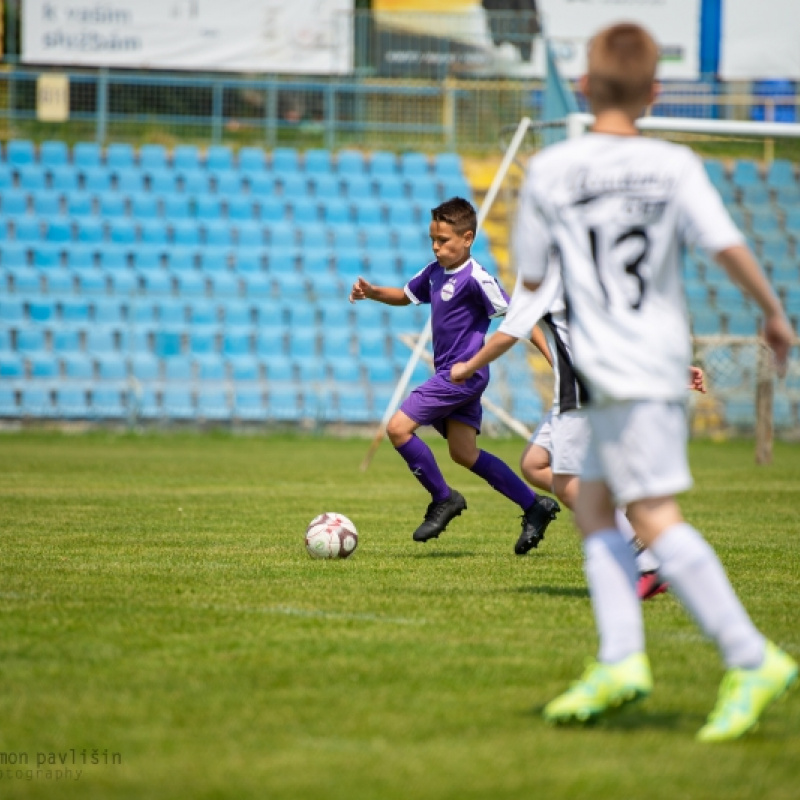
{"x": 331, "y": 535}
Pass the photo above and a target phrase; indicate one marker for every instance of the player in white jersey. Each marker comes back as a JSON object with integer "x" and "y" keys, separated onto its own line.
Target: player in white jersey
{"x": 620, "y": 208}
{"x": 554, "y": 455}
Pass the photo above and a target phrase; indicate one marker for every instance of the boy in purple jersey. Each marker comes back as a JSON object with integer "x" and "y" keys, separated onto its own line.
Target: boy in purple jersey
{"x": 463, "y": 298}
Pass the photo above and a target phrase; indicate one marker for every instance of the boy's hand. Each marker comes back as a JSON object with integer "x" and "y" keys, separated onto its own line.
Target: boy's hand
{"x": 362, "y": 290}
{"x": 779, "y": 336}
{"x": 460, "y": 372}
{"x": 697, "y": 380}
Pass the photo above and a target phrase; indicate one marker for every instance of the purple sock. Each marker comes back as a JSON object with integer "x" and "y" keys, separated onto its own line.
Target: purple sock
{"x": 424, "y": 468}
{"x": 503, "y": 479}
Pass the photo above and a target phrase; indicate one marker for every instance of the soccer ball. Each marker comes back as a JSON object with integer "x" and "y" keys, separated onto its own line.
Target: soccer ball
{"x": 331, "y": 535}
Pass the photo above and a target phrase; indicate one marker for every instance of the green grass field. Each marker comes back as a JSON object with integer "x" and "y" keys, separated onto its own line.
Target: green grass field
{"x": 158, "y": 607}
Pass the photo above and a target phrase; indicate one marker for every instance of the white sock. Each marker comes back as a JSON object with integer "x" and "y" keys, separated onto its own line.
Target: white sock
{"x": 698, "y": 578}
{"x": 611, "y": 573}
{"x": 645, "y": 560}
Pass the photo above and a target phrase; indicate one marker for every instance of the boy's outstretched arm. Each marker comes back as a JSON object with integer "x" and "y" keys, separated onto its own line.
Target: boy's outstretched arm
{"x": 744, "y": 271}
{"x": 498, "y": 344}
{"x": 390, "y": 295}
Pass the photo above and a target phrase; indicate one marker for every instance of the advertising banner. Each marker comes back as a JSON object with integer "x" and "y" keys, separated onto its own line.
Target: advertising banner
{"x": 760, "y": 40}
{"x": 304, "y": 36}
{"x": 502, "y": 37}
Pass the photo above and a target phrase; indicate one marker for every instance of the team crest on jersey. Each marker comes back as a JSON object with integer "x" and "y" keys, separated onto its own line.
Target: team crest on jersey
{"x": 449, "y": 289}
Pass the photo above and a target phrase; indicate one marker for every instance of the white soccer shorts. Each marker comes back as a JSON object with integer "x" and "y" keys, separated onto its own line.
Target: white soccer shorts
{"x": 566, "y": 437}
{"x": 638, "y": 448}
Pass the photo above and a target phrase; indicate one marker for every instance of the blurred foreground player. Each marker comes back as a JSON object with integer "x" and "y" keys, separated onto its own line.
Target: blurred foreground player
{"x": 619, "y": 209}
{"x": 463, "y": 298}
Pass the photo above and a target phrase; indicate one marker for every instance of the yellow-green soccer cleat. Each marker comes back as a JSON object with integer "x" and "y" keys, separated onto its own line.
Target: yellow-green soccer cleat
{"x": 602, "y": 687}
{"x": 745, "y": 693}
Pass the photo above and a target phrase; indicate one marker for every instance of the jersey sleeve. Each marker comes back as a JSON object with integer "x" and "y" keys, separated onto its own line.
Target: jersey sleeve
{"x": 527, "y": 308}
{"x": 418, "y": 289}
{"x": 490, "y": 293}
{"x": 703, "y": 221}
{"x": 530, "y": 239}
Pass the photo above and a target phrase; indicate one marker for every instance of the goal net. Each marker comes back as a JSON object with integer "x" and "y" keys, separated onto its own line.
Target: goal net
{"x": 745, "y": 396}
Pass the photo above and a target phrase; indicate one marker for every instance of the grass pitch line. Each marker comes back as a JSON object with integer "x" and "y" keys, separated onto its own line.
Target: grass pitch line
{"x": 290, "y": 611}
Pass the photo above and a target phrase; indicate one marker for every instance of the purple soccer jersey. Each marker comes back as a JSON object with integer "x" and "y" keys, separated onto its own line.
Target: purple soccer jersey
{"x": 463, "y": 302}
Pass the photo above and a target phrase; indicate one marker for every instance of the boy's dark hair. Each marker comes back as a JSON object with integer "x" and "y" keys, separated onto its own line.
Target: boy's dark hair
{"x": 622, "y": 61}
{"x": 457, "y": 212}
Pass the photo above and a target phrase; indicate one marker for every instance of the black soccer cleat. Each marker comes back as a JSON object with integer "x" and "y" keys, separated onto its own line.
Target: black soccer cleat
{"x": 534, "y": 523}
{"x": 438, "y": 515}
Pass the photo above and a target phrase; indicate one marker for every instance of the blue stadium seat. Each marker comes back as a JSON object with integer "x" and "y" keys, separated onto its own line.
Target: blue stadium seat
{"x": 344, "y": 369}
{"x": 6, "y": 177}
{"x": 238, "y": 344}
{"x": 745, "y": 173}
{"x": 244, "y": 369}
{"x": 178, "y": 404}
{"x": 193, "y": 181}
{"x": 402, "y": 214}
{"x": 368, "y": 213}
{"x": 742, "y": 323}
{"x": 41, "y": 310}
{"x": 20, "y": 152}
{"x": 59, "y": 282}
{"x": 425, "y": 193}
{"x": 781, "y": 173}
{"x": 122, "y": 231}
{"x": 310, "y": 369}
{"x": 259, "y": 184}
{"x": 161, "y": 181}
{"x": 145, "y": 368}
{"x": 64, "y": 179}
{"x": 239, "y": 208}
{"x": 249, "y": 406}
{"x": 96, "y": 179}
{"x": 358, "y": 187}
{"x": 350, "y": 162}
{"x": 251, "y": 159}
{"x": 378, "y": 369}
{"x": 336, "y": 212}
{"x": 89, "y": 230}
{"x": 317, "y": 161}
{"x": 353, "y": 405}
{"x": 13, "y": 255}
{"x": 107, "y": 311}
{"x": 382, "y": 163}
{"x": 213, "y": 405}
{"x": 270, "y": 209}
{"x": 107, "y": 403}
{"x": 185, "y": 156}
{"x": 293, "y": 185}
{"x": 447, "y": 164}
{"x": 270, "y": 342}
{"x": 12, "y": 366}
{"x": 58, "y": 229}
{"x": 226, "y": 182}
{"x": 28, "y": 229}
{"x": 128, "y": 181}
{"x": 14, "y": 203}
{"x": 285, "y": 159}
{"x": 46, "y": 255}
{"x": 176, "y": 208}
{"x": 415, "y": 166}
{"x": 391, "y": 189}
{"x": 219, "y": 157}
{"x": 291, "y": 287}
{"x": 152, "y": 156}
{"x": 46, "y": 203}
{"x": 30, "y": 341}
{"x": 78, "y": 367}
{"x": 283, "y": 404}
{"x": 371, "y": 343}
{"x": 43, "y": 366}
{"x": 155, "y": 283}
{"x": 120, "y": 155}
{"x": 326, "y": 187}
{"x": 706, "y": 323}
{"x": 35, "y": 403}
{"x": 80, "y": 204}
{"x": 87, "y": 154}
{"x": 190, "y": 284}
{"x": 111, "y": 368}
{"x": 24, "y": 280}
{"x": 186, "y": 232}
{"x": 257, "y": 286}
{"x": 249, "y": 234}
{"x": 71, "y": 403}
{"x": 755, "y": 196}
{"x": 210, "y": 368}
{"x": 8, "y": 403}
{"x": 53, "y": 154}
